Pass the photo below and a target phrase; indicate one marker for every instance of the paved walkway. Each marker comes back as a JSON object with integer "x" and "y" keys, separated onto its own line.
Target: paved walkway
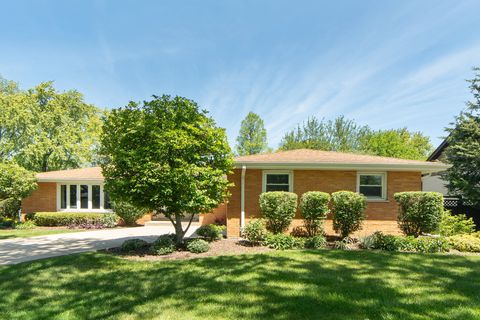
{"x": 13, "y": 251}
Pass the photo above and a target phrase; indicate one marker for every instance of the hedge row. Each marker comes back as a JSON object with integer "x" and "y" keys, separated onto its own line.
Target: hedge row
{"x": 56, "y": 219}
{"x": 279, "y": 209}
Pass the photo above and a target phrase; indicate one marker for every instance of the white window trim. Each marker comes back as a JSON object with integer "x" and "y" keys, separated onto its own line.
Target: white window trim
{"x": 384, "y": 185}
{"x": 90, "y": 202}
{"x": 266, "y": 172}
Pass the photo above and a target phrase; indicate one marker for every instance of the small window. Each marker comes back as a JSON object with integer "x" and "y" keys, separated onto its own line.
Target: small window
{"x": 84, "y": 196}
{"x": 372, "y": 186}
{"x": 73, "y": 196}
{"x": 95, "y": 197}
{"x": 277, "y": 182}
{"x": 63, "y": 196}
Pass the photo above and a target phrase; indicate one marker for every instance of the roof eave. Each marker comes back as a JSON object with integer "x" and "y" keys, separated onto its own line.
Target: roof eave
{"x": 424, "y": 168}
{"x": 70, "y": 179}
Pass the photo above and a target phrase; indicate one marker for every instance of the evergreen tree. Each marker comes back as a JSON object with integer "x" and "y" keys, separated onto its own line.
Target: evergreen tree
{"x": 463, "y": 151}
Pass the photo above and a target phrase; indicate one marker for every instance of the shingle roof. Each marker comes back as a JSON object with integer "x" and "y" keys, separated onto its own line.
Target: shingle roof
{"x": 323, "y": 158}
{"x": 93, "y": 173}
{"x": 291, "y": 158}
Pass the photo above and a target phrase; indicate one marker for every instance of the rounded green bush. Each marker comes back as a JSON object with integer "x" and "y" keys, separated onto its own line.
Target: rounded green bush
{"x": 211, "y": 232}
{"x": 128, "y": 212}
{"x": 314, "y": 210}
{"x": 198, "y": 246}
{"x": 134, "y": 245}
{"x": 278, "y": 208}
{"x": 316, "y": 242}
{"x": 255, "y": 231}
{"x": 164, "y": 244}
{"x": 348, "y": 212}
{"x": 419, "y": 212}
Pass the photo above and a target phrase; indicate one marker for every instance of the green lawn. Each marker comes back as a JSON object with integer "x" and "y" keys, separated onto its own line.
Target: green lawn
{"x": 277, "y": 285}
{"x": 18, "y": 233}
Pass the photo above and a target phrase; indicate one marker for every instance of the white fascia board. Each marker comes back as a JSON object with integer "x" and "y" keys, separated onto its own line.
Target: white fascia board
{"x": 427, "y": 168}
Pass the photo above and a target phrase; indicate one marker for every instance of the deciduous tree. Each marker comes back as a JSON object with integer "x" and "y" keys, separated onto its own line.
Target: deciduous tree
{"x": 167, "y": 156}
{"x": 43, "y": 129}
{"x": 16, "y": 183}
{"x": 252, "y": 138}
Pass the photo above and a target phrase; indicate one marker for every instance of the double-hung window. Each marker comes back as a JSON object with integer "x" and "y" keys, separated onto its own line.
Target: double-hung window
{"x": 277, "y": 181}
{"x": 372, "y": 185}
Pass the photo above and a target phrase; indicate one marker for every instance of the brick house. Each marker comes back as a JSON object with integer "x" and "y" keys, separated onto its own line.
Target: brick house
{"x": 298, "y": 171}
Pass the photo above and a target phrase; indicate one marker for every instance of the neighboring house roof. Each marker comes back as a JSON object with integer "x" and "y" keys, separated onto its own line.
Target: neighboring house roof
{"x": 306, "y": 158}
{"x": 82, "y": 174}
{"x": 438, "y": 152}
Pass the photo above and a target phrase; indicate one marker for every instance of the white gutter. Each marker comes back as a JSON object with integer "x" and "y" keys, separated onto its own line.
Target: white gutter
{"x": 424, "y": 168}
{"x": 242, "y": 198}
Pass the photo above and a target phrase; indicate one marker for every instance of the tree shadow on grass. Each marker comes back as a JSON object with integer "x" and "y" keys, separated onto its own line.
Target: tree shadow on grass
{"x": 279, "y": 285}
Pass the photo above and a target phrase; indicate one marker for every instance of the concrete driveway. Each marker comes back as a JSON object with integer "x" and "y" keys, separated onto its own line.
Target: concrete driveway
{"x": 13, "y": 251}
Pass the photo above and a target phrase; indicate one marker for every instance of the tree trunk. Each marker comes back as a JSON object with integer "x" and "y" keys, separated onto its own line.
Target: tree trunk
{"x": 178, "y": 228}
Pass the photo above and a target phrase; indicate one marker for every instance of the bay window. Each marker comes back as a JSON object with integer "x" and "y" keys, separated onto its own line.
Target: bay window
{"x": 82, "y": 197}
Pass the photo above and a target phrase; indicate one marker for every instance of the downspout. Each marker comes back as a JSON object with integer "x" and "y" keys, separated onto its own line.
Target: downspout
{"x": 242, "y": 198}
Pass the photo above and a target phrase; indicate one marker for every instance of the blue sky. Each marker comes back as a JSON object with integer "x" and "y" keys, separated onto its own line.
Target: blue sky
{"x": 387, "y": 64}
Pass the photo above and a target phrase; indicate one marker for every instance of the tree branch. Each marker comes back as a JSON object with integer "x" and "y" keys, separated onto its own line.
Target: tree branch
{"x": 189, "y": 223}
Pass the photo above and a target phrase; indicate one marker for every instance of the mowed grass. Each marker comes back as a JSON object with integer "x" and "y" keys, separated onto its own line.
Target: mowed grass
{"x": 19, "y": 233}
{"x": 278, "y": 285}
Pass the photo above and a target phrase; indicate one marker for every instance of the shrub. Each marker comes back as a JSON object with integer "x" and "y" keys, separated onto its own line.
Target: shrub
{"x": 109, "y": 220}
{"x": 389, "y": 242}
{"x": 342, "y": 244}
{"x": 164, "y": 244}
{"x": 465, "y": 242}
{"x": 25, "y": 225}
{"x": 255, "y": 231}
{"x": 211, "y": 232}
{"x": 279, "y": 209}
{"x": 348, "y": 212}
{"x": 134, "y": 245}
{"x": 29, "y": 216}
{"x": 381, "y": 241}
{"x": 316, "y": 242}
{"x": 282, "y": 241}
{"x": 54, "y": 219}
{"x": 419, "y": 212}
{"x": 455, "y": 224}
{"x": 16, "y": 183}
{"x": 314, "y": 210}
{"x": 6, "y": 223}
{"x": 369, "y": 242}
{"x": 431, "y": 244}
{"x": 198, "y": 246}
{"x": 128, "y": 212}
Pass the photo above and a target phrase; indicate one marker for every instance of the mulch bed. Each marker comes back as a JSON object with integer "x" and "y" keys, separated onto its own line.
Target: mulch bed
{"x": 217, "y": 248}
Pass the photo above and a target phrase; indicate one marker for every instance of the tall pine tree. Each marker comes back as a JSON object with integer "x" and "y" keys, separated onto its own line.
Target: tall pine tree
{"x": 463, "y": 151}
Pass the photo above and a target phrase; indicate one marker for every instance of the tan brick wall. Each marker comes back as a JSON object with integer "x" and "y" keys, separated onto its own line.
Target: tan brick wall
{"x": 44, "y": 199}
{"x": 219, "y": 213}
{"x": 380, "y": 215}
